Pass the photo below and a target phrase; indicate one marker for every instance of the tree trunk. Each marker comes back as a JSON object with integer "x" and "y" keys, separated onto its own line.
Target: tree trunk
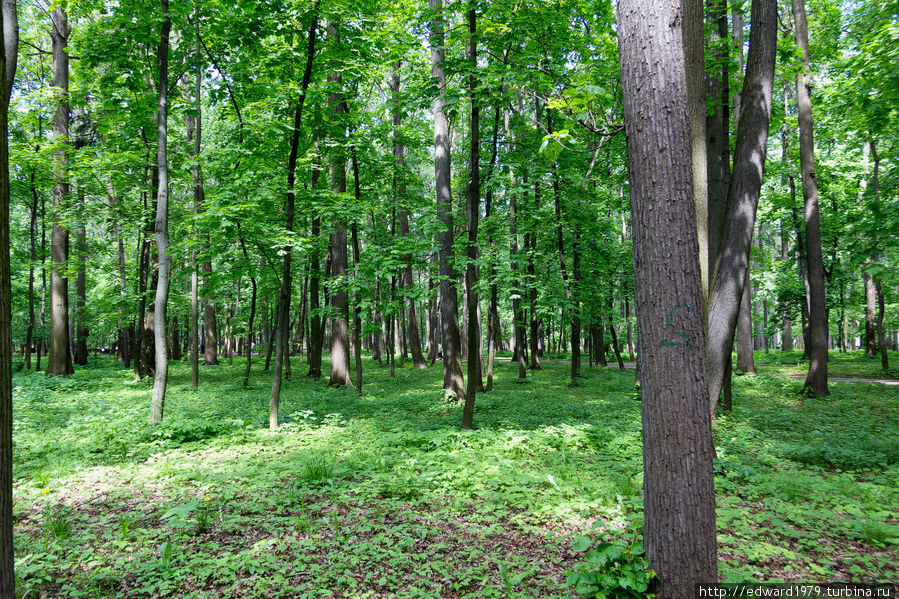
{"x": 679, "y": 500}
{"x": 32, "y": 234}
{"x": 745, "y": 358}
{"x": 59, "y": 359}
{"x": 743, "y": 192}
{"x": 717, "y": 131}
{"x": 870, "y": 315}
{"x": 81, "y": 331}
{"x": 161, "y": 229}
{"x": 289, "y": 208}
{"x": 518, "y": 315}
{"x": 449, "y": 309}
{"x": 473, "y": 214}
{"x": 816, "y": 381}
{"x": 9, "y": 43}
{"x": 340, "y": 350}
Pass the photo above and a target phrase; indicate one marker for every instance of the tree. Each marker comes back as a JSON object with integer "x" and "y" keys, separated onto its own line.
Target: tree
{"x": 816, "y": 381}
{"x": 161, "y": 228}
{"x": 679, "y": 500}
{"x": 449, "y": 308}
{"x": 289, "y": 213}
{"x": 473, "y": 214}
{"x": 59, "y": 359}
{"x": 743, "y": 193}
{"x": 9, "y": 45}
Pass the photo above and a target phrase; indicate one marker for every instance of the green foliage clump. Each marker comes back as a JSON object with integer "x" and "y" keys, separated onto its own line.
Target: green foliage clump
{"x": 611, "y": 570}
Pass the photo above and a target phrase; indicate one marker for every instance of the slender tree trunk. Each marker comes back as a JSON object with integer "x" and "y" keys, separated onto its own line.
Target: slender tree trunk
{"x": 449, "y": 310}
{"x": 745, "y": 358}
{"x": 518, "y": 316}
{"x": 161, "y": 229}
{"x": 573, "y": 311}
{"x": 81, "y": 331}
{"x": 32, "y": 233}
{"x": 816, "y": 382}
{"x": 289, "y": 208}
{"x": 474, "y": 212}
{"x": 743, "y": 193}
{"x": 717, "y": 130}
{"x": 679, "y": 499}
{"x": 59, "y": 359}
{"x": 9, "y": 29}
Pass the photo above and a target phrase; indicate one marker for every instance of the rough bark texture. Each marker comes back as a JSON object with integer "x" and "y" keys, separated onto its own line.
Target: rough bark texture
{"x": 59, "y": 359}
{"x": 161, "y": 228}
{"x": 717, "y": 130}
{"x": 449, "y": 308}
{"x": 473, "y": 214}
{"x": 679, "y": 501}
{"x": 693, "y": 29}
{"x": 340, "y": 328}
{"x": 745, "y": 358}
{"x": 743, "y": 192}
{"x": 816, "y": 381}
{"x": 8, "y": 55}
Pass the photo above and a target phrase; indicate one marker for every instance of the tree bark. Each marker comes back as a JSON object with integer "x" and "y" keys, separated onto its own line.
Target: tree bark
{"x": 518, "y": 316}
{"x": 453, "y": 383}
{"x": 743, "y": 193}
{"x": 679, "y": 500}
{"x": 161, "y": 229}
{"x": 473, "y": 214}
{"x": 816, "y": 381}
{"x": 340, "y": 350}
{"x": 9, "y": 29}
{"x": 717, "y": 130}
{"x": 745, "y": 358}
{"x": 81, "y": 331}
{"x": 59, "y": 359}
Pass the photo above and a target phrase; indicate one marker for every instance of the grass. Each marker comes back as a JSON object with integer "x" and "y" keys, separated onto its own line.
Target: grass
{"x": 382, "y": 495}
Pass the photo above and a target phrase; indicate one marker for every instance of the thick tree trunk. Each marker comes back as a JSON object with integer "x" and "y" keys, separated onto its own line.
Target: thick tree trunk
{"x": 161, "y": 229}
{"x": 743, "y": 193}
{"x": 9, "y": 43}
{"x": 679, "y": 500}
{"x": 449, "y": 308}
{"x": 816, "y": 381}
{"x": 59, "y": 359}
{"x": 340, "y": 342}
{"x": 473, "y": 215}
{"x": 283, "y": 351}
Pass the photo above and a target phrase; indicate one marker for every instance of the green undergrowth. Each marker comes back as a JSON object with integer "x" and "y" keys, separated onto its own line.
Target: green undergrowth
{"x": 382, "y": 495}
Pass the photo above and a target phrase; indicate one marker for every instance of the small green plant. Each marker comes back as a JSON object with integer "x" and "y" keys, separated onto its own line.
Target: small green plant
{"x": 877, "y": 533}
{"x": 203, "y": 516}
{"x": 126, "y": 526}
{"x": 304, "y": 524}
{"x": 611, "y": 570}
{"x": 318, "y": 469}
{"x": 56, "y": 522}
{"x": 166, "y": 551}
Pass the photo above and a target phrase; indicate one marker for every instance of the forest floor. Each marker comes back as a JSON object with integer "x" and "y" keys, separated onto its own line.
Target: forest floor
{"x": 383, "y": 496}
